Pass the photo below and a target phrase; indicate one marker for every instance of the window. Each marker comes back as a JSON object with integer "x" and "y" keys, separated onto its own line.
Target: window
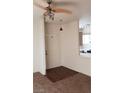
{"x": 85, "y": 39}
{"x": 86, "y": 42}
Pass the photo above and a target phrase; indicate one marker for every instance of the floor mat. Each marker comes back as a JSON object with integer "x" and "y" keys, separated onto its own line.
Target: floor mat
{"x": 59, "y": 73}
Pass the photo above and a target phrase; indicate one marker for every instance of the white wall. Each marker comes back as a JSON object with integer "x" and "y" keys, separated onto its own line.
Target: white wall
{"x": 68, "y": 43}
{"x": 70, "y": 49}
{"x": 38, "y": 45}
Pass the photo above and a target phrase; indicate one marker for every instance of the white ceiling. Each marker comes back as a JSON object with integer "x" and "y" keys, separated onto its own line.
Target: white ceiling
{"x": 81, "y": 9}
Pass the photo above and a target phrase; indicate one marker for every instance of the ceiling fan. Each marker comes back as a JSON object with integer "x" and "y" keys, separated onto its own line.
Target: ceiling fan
{"x": 50, "y": 10}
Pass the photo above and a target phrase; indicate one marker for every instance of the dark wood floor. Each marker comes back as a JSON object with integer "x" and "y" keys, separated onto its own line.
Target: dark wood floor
{"x": 59, "y": 73}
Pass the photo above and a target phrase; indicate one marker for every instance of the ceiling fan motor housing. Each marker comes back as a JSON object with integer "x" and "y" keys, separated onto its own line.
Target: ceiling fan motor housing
{"x": 49, "y": 1}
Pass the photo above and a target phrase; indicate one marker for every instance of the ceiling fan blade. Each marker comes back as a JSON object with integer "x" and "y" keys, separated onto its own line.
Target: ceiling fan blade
{"x": 40, "y": 6}
{"x": 64, "y": 3}
{"x": 60, "y": 10}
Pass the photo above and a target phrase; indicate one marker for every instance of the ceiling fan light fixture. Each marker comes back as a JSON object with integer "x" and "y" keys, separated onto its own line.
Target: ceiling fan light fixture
{"x": 49, "y": 14}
